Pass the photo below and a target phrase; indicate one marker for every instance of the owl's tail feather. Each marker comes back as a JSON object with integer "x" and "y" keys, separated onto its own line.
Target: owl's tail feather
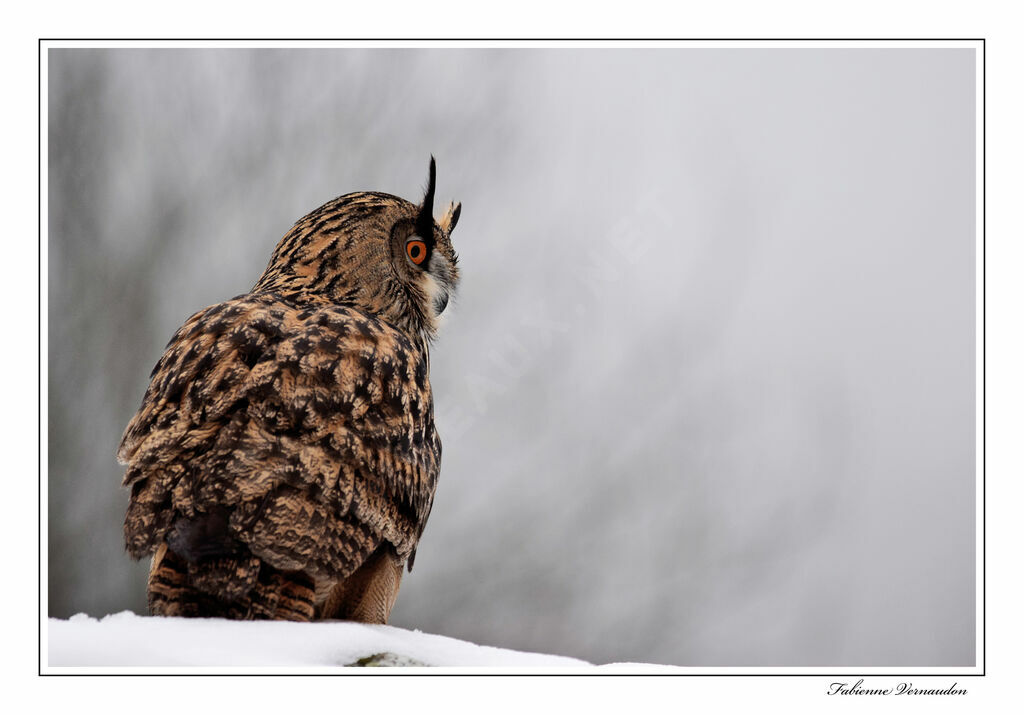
{"x": 369, "y": 594}
{"x": 241, "y": 588}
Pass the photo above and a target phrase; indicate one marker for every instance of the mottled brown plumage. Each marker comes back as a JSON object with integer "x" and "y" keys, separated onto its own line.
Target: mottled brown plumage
{"x": 284, "y": 459}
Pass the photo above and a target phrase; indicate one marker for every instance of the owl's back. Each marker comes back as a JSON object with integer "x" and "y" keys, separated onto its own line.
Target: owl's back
{"x": 280, "y": 446}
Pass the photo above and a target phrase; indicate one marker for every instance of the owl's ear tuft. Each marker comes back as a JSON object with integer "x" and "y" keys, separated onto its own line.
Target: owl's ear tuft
{"x": 451, "y": 217}
{"x": 425, "y": 219}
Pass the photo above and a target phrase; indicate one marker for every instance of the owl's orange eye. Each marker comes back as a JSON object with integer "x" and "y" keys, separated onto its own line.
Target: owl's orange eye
{"x": 417, "y": 251}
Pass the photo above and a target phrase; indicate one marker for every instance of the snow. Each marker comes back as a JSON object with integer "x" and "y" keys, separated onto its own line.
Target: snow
{"x": 126, "y": 639}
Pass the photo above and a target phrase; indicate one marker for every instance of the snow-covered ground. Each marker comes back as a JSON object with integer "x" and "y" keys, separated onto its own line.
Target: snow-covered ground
{"x": 125, "y": 640}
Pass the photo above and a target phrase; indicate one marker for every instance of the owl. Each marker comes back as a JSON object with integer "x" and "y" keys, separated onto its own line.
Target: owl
{"x": 284, "y": 460}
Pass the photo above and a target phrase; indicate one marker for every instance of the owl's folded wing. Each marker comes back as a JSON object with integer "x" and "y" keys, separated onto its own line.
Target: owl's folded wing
{"x": 311, "y": 428}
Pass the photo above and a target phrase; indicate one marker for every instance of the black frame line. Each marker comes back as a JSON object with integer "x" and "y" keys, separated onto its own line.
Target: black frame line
{"x": 399, "y": 672}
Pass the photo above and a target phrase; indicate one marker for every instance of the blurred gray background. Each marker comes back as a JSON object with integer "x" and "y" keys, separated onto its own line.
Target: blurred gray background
{"x": 708, "y": 392}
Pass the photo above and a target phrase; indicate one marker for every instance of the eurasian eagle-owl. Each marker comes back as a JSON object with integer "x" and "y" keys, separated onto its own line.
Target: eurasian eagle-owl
{"x": 284, "y": 459}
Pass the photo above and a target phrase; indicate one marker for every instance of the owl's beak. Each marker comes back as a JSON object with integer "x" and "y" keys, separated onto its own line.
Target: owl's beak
{"x": 441, "y": 302}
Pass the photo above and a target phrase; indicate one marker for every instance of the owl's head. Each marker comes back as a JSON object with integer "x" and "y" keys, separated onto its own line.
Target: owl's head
{"x": 372, "y": 251}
